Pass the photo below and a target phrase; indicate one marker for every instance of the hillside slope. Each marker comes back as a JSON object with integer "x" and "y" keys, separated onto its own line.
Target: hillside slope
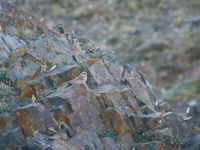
{"x": 59, "y": 91}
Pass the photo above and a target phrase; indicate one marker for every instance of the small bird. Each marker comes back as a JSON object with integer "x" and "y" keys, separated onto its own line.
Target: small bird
{"x": 43, "y": 67}
{"x": 81, "y": 79}
{"x": 33, "y": 98}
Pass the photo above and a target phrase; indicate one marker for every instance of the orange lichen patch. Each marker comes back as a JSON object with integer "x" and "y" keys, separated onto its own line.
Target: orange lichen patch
{"x": 26, "y": 91}
{"x": 18, "y": 52}
{"x": 2, "y": 123}
{"x": 106, "y": 99}
{"x": 72, "y": 73}
{"x": 112, "y": 121}
{"x": 127, "y": 139}
{"x": 24, "y": 123}
{"x": 152, "y": 123}
{"x": 161, "y": 146}
{"x": 60, "y": 116}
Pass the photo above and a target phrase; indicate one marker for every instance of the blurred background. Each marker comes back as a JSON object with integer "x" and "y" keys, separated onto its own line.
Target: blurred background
{"x": 161, "y": 38}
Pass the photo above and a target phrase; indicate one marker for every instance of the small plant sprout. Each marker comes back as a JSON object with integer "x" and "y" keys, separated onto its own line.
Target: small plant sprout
{"x": 33, "y": 98}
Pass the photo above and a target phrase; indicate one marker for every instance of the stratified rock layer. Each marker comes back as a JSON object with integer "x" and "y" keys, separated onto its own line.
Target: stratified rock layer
{"x": 46, "y": 102}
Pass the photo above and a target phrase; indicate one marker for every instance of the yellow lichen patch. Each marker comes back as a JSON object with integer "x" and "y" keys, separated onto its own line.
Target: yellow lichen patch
{"x": 20, "y": 84}
{"x": 27, "y": 92}
{"x": 18, "y": 52}
{"x": 60, "y": 116}
{"x": 72, "y": 74}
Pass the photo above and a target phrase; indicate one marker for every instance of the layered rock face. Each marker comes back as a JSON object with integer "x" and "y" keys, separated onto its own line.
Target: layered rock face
{"x": 161, "y": 38}
{"x": 59, "y": 91}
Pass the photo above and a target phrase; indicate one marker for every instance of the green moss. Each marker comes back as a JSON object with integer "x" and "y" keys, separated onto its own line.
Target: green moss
{"x": 19, "y": 3}
{"x": 55, "y": 9}
{"x": 114, "y": 39}
{"x": 5, "y": 108}
{"x": 142, "y": 136}
{"x": 195, "y": 3}
{"x": 185, "y": 91}
{"x": 176, "y": 141}
{"x": 2, "y": 76}
{"x": 3, "y": 93}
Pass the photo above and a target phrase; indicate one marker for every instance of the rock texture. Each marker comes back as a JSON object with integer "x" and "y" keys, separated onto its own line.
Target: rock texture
{"x": 59, "y": 91}
{"x": 161, "y": 38}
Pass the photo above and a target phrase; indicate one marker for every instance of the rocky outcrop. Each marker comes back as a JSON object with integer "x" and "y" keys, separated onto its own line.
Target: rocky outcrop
{"x": 59, "y": 91}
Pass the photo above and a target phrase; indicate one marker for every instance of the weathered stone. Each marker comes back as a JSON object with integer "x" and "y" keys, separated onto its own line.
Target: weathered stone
{"x": 24, "y": 123}
{"x": 86, "y": 138}
{"x": 111, "y": 121}
{"x": 25, "y": 90}
{"x": 195, "y": 112}
{"x": 38, "y": 142}
{"x": 34, "y": 117}
{"x": 109, "y": 143}
{"x": 12, "y": 138}
{"x": 126, "y": 140}
{"x": 70, "y": 132}
{"x": 191, "y": 143}
{"x": 101, "y": 111}
{"x": 145, "y": 121}
{"x": 179, "y": 127}
{"x": 153, "y": 146}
